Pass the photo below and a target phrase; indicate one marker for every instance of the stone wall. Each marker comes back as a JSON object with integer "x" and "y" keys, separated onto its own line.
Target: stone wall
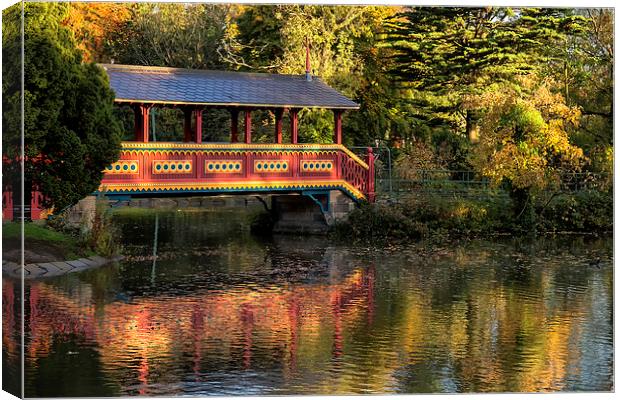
{"x": 185, "y": 202}
{"x": 296, "y": 214}
{"x": 301, "y": 214}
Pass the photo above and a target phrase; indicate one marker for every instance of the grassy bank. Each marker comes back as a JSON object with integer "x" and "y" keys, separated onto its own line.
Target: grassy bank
{"x": 436, "y": 218}
{"x": 59, "y": 239}
{"x": 42, "y": 244}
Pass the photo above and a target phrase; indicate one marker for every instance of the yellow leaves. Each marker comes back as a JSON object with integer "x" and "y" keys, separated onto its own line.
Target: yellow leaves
{"x": 91, "y": 22}
{"x": 523, "y": 135}
{"x": 418, "y": 157}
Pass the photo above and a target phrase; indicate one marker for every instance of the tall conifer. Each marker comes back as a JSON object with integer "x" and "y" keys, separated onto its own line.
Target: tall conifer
{"x": 446, "y": 53}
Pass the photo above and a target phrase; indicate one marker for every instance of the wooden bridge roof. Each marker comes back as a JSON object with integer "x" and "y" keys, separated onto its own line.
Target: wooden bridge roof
{"x": 161, "y": 85}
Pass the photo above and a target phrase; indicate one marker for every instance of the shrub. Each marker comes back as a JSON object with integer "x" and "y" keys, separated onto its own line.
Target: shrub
{"x": 102, "y": 235}
{"x": 583, "y": 211}
{"x": 423, "y": 218}
{"x": 428, "y": 217}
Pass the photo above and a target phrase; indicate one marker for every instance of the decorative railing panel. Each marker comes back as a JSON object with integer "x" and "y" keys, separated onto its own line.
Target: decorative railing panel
{"x": 189, "y": 167}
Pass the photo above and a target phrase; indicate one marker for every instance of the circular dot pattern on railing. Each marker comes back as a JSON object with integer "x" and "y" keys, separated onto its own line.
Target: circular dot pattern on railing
{"x": 270, "y": 166}
{"x": 172, "y": 167}
{"x": 122, "y": 167}
{"x": 317, "y": 165}
{"x": 222, "y": 167}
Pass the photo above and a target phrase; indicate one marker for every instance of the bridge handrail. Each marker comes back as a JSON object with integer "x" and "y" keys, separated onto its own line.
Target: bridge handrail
{"x": 127, "y": 145}
{"x": 143, "y": 166}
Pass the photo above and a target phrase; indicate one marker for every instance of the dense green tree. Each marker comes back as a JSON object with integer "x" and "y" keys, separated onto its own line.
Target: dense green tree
{"x": 446, "y": 53}
{"x": 70, "y": 133}
{"x": 343, "y": 54}
{"x": 172, "y": 35}
{"x": 583, "y": 65}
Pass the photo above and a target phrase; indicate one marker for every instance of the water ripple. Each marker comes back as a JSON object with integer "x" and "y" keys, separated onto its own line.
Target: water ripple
{"x": 217, "y": 313}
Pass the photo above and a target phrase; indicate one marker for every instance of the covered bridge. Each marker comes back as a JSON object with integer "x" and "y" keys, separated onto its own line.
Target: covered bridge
{"x": 192, "y": 166}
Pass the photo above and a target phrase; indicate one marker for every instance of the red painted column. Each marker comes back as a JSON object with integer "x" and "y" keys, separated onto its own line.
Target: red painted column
{"x": 7, "y": 204}
{"x": 370, "y": 183}
{"x": 337, "y": 126}
{"x": 234, "y": 125}
{"x": 279, "y": 114}
{"x": 137, "y": 125}
{"x": 187, "y": 125}
{"x": 35, "y": 210}
{"x": 146, "y": 123}
{"x": 293, "y": 116}
{"x": 142, "y": 129}
{"x": 198, "y": 118}
{"x": 248, "y": 126}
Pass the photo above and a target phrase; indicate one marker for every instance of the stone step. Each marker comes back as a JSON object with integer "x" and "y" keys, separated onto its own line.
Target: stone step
{"x": 51, "y": 269}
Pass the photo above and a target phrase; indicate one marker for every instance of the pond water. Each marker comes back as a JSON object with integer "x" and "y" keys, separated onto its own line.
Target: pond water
{"x": 218, "y": 311}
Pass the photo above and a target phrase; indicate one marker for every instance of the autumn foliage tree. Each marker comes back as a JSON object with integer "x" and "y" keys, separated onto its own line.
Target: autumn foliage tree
{"x": 92, "y": 23}
{"x": 524, "y": 141}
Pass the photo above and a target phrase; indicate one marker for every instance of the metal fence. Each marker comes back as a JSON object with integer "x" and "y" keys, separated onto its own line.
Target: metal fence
{"x": 440, "y": 183}
{"x": 459, "y": 183}
{"x": 469, "y": 184}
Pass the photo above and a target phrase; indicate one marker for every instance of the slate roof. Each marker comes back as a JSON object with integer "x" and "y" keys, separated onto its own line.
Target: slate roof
{"x": 224, "y": 88}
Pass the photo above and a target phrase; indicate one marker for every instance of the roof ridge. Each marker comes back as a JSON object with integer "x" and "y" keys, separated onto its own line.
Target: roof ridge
{"x": 153, "y": 68}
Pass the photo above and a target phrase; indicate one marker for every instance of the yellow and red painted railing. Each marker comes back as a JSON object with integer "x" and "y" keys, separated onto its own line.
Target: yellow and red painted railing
{"x": 171, "y": 167}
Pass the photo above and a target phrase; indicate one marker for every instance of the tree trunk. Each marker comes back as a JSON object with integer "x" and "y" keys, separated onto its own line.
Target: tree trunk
{"x": 523, "y": 209}
{"x": 472, "y": 128}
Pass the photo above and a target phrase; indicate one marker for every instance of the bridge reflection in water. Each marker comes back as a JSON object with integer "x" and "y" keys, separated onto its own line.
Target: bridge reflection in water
{"x": 212, "y": 327}
{"x": 228, "y": 314}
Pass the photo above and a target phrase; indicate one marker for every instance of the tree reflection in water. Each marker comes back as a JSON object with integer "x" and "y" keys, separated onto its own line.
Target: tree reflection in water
{"x": 227, "y": 313}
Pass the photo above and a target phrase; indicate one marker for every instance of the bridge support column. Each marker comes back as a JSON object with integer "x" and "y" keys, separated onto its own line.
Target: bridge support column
{"x": 293, "y": 115}
{"x": 340, "y": 205}
{"x": 296, "y": 214}
{"x": 279, "y": 113}
{"x": 370, "y": 184}
{"x": 198, "y": 130}
{"x": 338, "y": 126}
{"x": 141, "y": 123}
{"x": 248, "y": 126}
{"x": 313, "y": 213}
